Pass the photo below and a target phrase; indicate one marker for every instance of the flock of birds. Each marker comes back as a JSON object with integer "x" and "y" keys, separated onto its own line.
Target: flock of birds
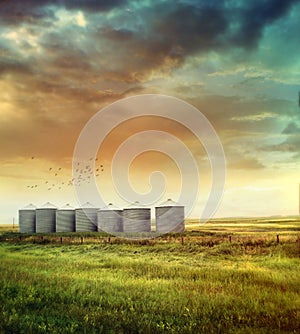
{"x": 83, "y": 173}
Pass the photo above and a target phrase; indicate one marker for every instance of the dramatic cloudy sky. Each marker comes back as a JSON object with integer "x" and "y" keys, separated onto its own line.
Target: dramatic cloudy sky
{"x": 237, "y": 61}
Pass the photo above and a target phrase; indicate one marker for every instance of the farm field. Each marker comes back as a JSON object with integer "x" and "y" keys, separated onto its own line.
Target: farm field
{"x": 227, "y": 276}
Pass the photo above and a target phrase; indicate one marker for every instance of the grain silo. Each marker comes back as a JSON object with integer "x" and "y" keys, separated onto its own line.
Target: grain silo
{"x": 45, "y": 218}
{"x": 169, "y": 217}
{"x": 65, "y": 219}
{"x": 86, "y": 218}
{"x": 27, "y": 218}
{"x": 136, "y": 219}
{"x": 110, "y": 219}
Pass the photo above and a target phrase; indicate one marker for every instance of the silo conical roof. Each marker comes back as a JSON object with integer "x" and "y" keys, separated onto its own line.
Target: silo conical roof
{"x": 48, "y": 205}
{"x": 169, "y": 202}
{"x": 110, "y": 206}
{"x": 135, "y": 205}
{"x": 29, "y": 207}
{"x": 87, "y": 205}
{"x": 67, "y": 207}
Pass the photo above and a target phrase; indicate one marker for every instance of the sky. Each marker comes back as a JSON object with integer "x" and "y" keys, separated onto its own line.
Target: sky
{"x": 236, "y": 61}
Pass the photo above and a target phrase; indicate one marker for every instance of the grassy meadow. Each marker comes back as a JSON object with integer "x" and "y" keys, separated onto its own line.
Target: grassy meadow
{"x": 227, "y": 276}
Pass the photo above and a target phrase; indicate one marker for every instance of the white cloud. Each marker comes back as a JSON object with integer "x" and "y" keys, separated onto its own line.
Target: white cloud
{"x": 255, "y": 117}
{"x": 80, "y": 20}
{"x": 66, "y": 18}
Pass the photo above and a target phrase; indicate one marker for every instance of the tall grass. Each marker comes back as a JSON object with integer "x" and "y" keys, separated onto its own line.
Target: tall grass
{"x": 157, "y": 287}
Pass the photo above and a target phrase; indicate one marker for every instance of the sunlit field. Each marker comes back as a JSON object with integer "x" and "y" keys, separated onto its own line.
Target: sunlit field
{"x": 227, "y": 276}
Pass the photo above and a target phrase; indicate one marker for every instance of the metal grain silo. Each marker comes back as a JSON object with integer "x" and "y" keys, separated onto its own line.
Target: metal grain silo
{"x": 86, "y": 218}
{"x": 27, "y": 218}
{"x": 65, "y": 219}
{"x": 110, "y": 219}
{"x": 45, "y": 218}
{"x": 136, "y": 219}
{"x": 169, "y": 217}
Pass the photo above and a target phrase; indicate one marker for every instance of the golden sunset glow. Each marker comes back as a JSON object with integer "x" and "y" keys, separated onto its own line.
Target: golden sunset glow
{"x": 62, "y": 62}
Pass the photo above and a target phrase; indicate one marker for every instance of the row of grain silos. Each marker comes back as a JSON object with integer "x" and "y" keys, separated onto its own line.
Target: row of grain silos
{"x": 134, "y": 219}
{"x": 49, "y": 218}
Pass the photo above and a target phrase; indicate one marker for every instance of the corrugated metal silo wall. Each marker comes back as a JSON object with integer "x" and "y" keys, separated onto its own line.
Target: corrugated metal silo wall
{"x": 27, "y": 221}
{"x": 169, "y": 219}
{"x": 45, "y": 220}
{"x": 137, "y": 220}
{"x": 65, "y": 220}
{"x": 86, "y": 220}
{"x": 110, "y": 221}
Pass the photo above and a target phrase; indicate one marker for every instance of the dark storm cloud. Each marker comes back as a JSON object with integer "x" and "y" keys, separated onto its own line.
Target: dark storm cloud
{"x": 32, "y": 11}
{"x": 35, "y": 11}
{"x": 125, "y": 48}
{"x": 118, "y": 35}
{"x": 157, "y": 37}
{"x": 13, "y": 66}
{"x": 290, "y": 141}
{"x": 170, "y": 33}
{"x": 92, "y": 5}
{"x": 187, "y": 28}
{"x": 183, "y": 28}
{"x": 291, "y": 128}
{"x": 252, "y": 19}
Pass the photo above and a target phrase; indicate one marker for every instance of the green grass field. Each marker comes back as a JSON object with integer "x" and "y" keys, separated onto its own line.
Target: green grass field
{"x": 228, "y": 276}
